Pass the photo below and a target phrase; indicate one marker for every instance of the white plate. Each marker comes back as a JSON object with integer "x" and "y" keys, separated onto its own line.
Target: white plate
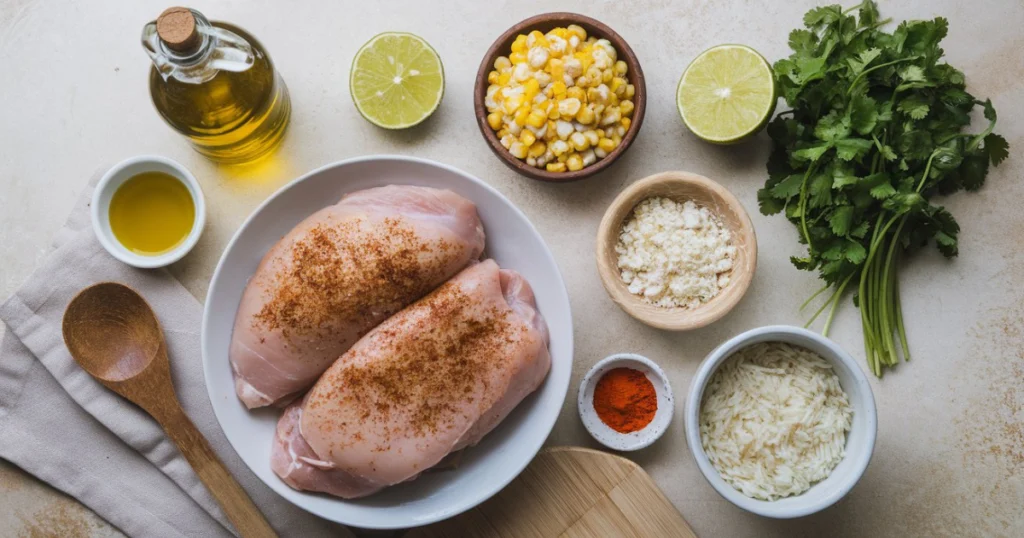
{"x": 485, "y": 469}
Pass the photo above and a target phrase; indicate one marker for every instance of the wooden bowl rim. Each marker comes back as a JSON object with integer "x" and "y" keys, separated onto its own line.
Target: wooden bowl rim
{"x": 635, "y": 75}
{"x": 675, "y": 319}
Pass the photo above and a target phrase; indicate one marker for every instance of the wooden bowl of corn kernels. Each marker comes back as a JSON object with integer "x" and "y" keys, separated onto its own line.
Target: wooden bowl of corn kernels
{"x": 555, "y": 138}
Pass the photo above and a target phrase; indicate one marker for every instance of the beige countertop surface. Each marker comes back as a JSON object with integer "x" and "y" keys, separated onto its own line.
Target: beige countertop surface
{"x": 950, "y": 453}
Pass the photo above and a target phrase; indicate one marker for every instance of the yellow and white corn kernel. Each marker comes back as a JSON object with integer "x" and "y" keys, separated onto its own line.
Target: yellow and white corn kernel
{"x": 574, "y": 162}
{"x": 561, "y": 100}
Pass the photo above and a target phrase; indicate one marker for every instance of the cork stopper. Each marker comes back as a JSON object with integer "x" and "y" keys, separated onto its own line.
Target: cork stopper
{"x": 176, "y": 27}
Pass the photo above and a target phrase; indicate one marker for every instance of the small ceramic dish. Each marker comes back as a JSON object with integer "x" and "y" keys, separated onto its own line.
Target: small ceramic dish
{"x": 124, "y": 171}
{"x": 860, "y": 441}
{"x": 605, "y": 434}
{"x": 678, "y": 186}
{"x": 545, "y": 23}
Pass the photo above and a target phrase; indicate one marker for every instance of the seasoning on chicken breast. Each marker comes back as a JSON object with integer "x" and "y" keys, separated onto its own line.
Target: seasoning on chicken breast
{"x": 337, "y": 275}
{"x": 433, "y": 379}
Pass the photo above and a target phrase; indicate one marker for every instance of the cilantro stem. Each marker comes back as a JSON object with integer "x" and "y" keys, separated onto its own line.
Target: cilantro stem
{"x": 876, "y": 67}
{"x": 869, "y": 296}
{"x": 927, "y": 169}
{"x": 899, "y": 321}
{"x": 878, "y": 309}
{"x": 887, "y": 316}
{"x": 890, "y": 302}
{"x": 819, "y": 311}
{"x": 835, "y": 304}
{"x": 981, "y": 136}
{"x": 812, "y": 297}
{"x": 864, "y": 298}
{"x": 803, "y": 207}
{"x": 889, "y": 287}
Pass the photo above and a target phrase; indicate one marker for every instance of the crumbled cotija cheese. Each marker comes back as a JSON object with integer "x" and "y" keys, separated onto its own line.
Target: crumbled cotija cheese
{"x": 674, "y": 254}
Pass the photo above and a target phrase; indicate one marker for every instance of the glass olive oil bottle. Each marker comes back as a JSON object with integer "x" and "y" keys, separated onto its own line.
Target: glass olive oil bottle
{"x": 215, "y": 84}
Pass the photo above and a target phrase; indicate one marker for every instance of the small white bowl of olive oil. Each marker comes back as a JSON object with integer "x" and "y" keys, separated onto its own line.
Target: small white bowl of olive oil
{"x": 148, "y": 211}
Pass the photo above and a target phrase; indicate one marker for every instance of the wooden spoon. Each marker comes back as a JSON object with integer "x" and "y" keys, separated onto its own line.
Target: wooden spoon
{"x": 113, "y": 334}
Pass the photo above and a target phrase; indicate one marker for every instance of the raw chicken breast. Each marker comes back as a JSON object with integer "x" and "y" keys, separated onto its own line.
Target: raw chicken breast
{"x": 337, "y": 275}
{"x": 433, "y": 379}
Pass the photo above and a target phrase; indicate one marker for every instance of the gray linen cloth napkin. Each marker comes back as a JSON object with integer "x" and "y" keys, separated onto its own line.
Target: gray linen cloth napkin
{"x": 60, "y": 425}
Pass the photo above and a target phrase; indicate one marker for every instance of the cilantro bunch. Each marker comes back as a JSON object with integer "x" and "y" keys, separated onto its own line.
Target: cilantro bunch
{"x": 874, "y": 134}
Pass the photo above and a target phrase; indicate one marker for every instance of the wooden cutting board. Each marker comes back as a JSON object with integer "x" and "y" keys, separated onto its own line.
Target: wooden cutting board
{"x": 570, "y": 492}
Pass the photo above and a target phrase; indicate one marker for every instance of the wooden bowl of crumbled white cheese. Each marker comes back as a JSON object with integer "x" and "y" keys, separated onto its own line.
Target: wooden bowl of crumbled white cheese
{"x": 676, "y": 251}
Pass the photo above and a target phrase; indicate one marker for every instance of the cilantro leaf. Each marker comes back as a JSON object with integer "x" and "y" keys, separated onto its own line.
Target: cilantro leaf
{"x": 990, "y": 111}
{"x": 955, "y": 97}
{"x": 997, "y": 148}
{"x": 946, "y": 232}
{"x": 803, "y": 41}
{"x": 855, "y": 252}
{"x": 803, "y": 263}
{"x": 841, "y": 219}
{"x": 833, "y": 252}
{"x": 848, "y": 149}
{"x": 860, "y": 230}
{"x": 820, "y": 190}
{"x": 769, "y": 204}
{"x": 863, "y": 114}
{"x": 858, "y": 64}
{"x": 882, "y": 191}
{"x": 843, "y": 177}
{"x": 947, "y": 244}
{"x": 887, "y": 153}
{"x": 832, "y": 127}
{"x": 915, "y": 107}
{"x": 823, "y": 15}
{"x": 915, "y": 145}
{"x": 912, "y": 73}
{"x": 787, "y": 188}
{"x": 903, "y": 202}
{"x": 808, "y": 69}
{"x": 973, "y": 170}
{"x": 868, "y": 13}
{"x": 812, "y": 153}
{"x": 923, "y": 37}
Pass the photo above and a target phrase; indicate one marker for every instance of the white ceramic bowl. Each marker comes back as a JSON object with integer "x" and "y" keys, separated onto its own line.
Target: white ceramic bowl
{"x": 860, "y": 441}
{"x": 484, "y": 469}
{"x": 124, "y": 171}
{"x": 605, "y": 434}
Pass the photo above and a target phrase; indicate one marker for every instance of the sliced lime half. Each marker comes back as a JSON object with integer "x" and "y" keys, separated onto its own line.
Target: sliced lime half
{"x": 396, "y": 80}
{"x": 726, "y": 94}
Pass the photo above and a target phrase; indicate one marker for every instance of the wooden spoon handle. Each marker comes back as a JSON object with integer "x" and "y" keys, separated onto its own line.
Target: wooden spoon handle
{"x": 236, "y": 504}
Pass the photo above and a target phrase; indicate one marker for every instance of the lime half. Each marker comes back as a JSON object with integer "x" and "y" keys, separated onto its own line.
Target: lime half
{"x": 396, "y": 80}
{"x": 726, "y": 94}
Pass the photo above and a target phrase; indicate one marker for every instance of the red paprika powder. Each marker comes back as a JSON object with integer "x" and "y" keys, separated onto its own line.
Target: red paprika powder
{"x": 625, "y": 400}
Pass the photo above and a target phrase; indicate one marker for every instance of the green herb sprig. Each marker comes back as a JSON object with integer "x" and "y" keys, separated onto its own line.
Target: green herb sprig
{"x": 873, "y": 134}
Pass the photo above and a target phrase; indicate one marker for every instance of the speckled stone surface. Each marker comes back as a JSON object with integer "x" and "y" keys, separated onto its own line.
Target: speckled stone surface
{"x": 950, "y": 453}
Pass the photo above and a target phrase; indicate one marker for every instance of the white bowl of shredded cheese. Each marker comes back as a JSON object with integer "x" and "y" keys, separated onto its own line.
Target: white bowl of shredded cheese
{"x": 781, "y": 421}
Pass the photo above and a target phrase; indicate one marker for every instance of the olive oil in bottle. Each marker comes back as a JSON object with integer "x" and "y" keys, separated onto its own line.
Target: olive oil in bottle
{"x": 215, "y": 84}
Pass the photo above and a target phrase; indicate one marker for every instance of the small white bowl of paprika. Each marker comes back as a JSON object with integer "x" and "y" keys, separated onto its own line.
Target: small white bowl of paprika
{"x": 626, "y": 402}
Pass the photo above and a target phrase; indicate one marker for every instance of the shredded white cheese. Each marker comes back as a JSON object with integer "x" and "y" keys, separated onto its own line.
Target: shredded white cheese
{"x": 674, "y": 254}
{"x": 773, "y": 420}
